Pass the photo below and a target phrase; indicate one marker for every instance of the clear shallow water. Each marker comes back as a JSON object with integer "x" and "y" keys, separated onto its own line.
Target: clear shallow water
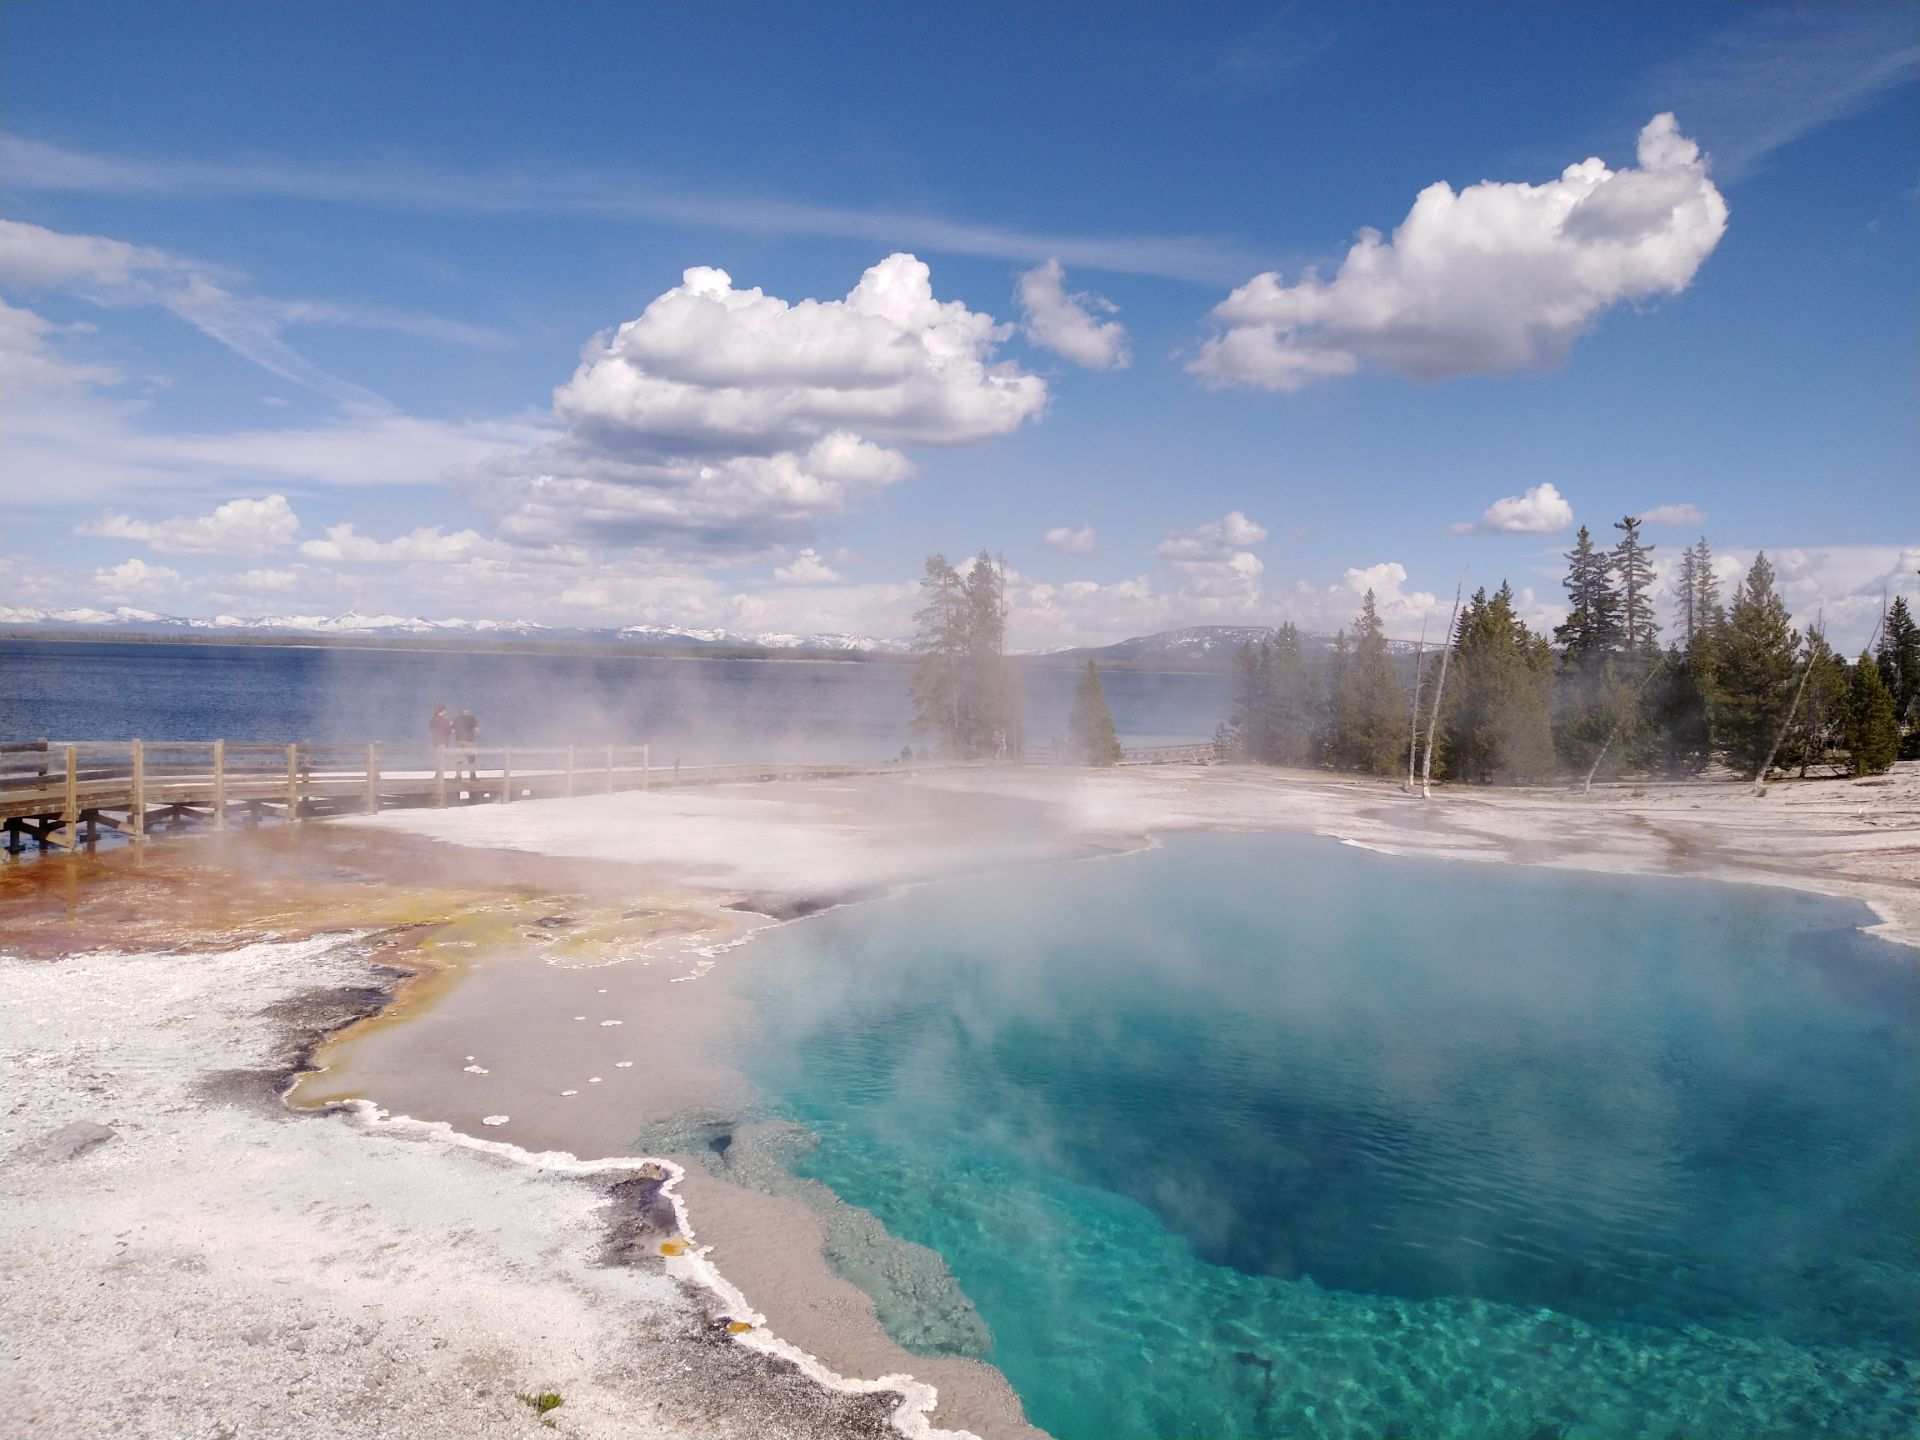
{"x": 1264, "y": 1136}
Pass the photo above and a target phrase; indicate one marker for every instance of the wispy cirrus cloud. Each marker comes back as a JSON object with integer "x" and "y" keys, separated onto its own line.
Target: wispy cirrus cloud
{"x": 115, "y": 273}
{"x": 32, "y": 164}
{"x": 1778, "y": 73}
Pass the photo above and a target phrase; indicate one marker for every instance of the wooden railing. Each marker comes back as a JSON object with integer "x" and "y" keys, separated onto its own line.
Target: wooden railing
{"x": 1171, "y": 755}
{"x": 65, "y": 792}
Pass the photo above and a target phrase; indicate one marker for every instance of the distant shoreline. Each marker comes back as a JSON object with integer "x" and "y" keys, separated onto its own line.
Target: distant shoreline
{"x": 576, "y": 649}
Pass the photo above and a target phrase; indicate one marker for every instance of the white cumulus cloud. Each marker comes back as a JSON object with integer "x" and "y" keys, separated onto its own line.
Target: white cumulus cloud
{"x": 1067, "y": 324}
{"x": 134, "y": 577}
{"x": 1495, "y": 278}
{"x": 807, "y": 568}
{"x": 735, "y": 418}
{"x": 1213, "y": 559}
{"x": 428, "y": 545}
{"x": 1213, "y": 540}
{"x": 707, "y": 366}
{"x": 1071, "y": 541}
{"x": 1540, "y": 510}
{"x": 239, "y": 527}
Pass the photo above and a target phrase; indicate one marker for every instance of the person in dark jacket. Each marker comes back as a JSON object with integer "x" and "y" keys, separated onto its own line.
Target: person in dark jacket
{"x": 466, "y": 737}
{"x": 440, "y": 731}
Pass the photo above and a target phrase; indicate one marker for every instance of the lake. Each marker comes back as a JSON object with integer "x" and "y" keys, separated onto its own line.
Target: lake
{"x": 1263, "y": 1136}
{"x": 691, "y": 709}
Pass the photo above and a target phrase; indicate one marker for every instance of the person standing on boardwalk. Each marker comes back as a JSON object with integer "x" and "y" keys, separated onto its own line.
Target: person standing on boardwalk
{"x": 440, "y": 731}
{"x": 466, "y": 734}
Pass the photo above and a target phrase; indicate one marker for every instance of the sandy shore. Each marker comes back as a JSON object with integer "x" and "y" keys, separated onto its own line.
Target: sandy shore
{"x": 284, "y": 1275}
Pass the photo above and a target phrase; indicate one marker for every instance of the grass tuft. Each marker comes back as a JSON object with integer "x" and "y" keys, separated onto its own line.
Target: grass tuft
{"x": 542, "y": 1401}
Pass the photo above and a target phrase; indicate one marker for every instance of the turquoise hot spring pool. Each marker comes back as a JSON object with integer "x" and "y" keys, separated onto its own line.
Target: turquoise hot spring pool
{"x": 1266, "y": 1136}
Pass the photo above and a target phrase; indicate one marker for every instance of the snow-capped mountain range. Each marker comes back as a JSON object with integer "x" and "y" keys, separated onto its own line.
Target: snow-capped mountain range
{"x": 1205, "y": 646}
{"x": 147, "y": 622}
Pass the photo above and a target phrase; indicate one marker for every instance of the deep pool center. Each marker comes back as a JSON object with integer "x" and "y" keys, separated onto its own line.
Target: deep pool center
{"x": 1252, "y": 1135}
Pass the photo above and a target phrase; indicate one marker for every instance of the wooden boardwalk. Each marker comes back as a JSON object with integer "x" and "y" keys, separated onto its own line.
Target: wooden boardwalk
{"x": 66, "y": 793}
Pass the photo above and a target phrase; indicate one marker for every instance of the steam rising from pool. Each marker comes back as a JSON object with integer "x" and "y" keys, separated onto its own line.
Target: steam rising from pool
{"x": 1252, "y": 1135}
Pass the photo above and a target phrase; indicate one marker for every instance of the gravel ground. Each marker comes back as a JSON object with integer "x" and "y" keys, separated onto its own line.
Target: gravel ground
{"x": 181, "y": 1257}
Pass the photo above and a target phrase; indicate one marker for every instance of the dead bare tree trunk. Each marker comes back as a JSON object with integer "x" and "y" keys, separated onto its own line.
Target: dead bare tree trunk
{"x": 1439, "y": 689}
{"x": 1618, "y": 725}
{"x": 1820, "y": 629}
{"x": 1413, "y": 723}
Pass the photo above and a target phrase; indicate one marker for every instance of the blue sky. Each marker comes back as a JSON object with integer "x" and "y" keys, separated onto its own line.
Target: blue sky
{"x": 310, "y": 309}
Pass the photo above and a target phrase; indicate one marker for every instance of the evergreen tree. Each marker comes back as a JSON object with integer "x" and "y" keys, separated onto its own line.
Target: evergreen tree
{"x": 1709, "y": 620}
{"x": 992, "y": 721}
{"x": 1755, "y": 671}
{"x": 1370, "y": 704}
{"x": 1899, "y": 661}
{"x": 1591, "y": 695}
{"x": 1242, "y": 736}
{"x": 1675, "y": 738}
{"x": 963, "y": 689}
{"x": 1090, "y": 723}
{"x": 1287, "y": 730}
{"x": 940, "y": 643}
{"x": 1873, "y": 739}
{"x": 1708, "y": 616}
{"x": 1684, "y": 583}
{"x": 1592, "y": 627}
{"x": 1327, "y": 745}
{"x": 1820, "y": 724}
{"x": 1497, "y": 713}
{"x": 1633, "y": 569}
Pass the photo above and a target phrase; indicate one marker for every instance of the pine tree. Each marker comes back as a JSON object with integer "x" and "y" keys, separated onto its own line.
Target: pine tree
{"x": 1675, "y": 738}
{"x": 1590, "y": 695}
{"x": 1090, "y": 723}
{"x": 1328, "y": 748}
{"x": 1592, "y": 627}
{"x": 1687, "y": 586}
{"x": 1873, "y": 739}
{"x": 1287, "y": 724}
{"x": 1633, "y": 568}
{"x": 1708, "y": 616}
{"x": 1243, "y": 734}
{"x": 1497, "y": 711}
{"x": 990, "y": 718}
{"x": 1899, "y": 661}
{"x": 1370, "y": 703}
{"x": 1756, "y": 664}
{"x": 963, "y": 689}
{"x": 940, "y": 643}
{"x": 1820, "y": 724}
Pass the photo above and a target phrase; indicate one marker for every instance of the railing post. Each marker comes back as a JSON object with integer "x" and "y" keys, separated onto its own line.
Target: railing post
{"x": 569, "y": 771}
{"x": 293, "y": 784}
{"x": 646, "y": 767}
{"x": 506, "y": 776}
{"x": 70, "y": 810}
{"x": 219, "y": 784}
{"x": 373, "y": 778}
{"x": 137, "y": 806}
{"x": 609, "y": 769}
